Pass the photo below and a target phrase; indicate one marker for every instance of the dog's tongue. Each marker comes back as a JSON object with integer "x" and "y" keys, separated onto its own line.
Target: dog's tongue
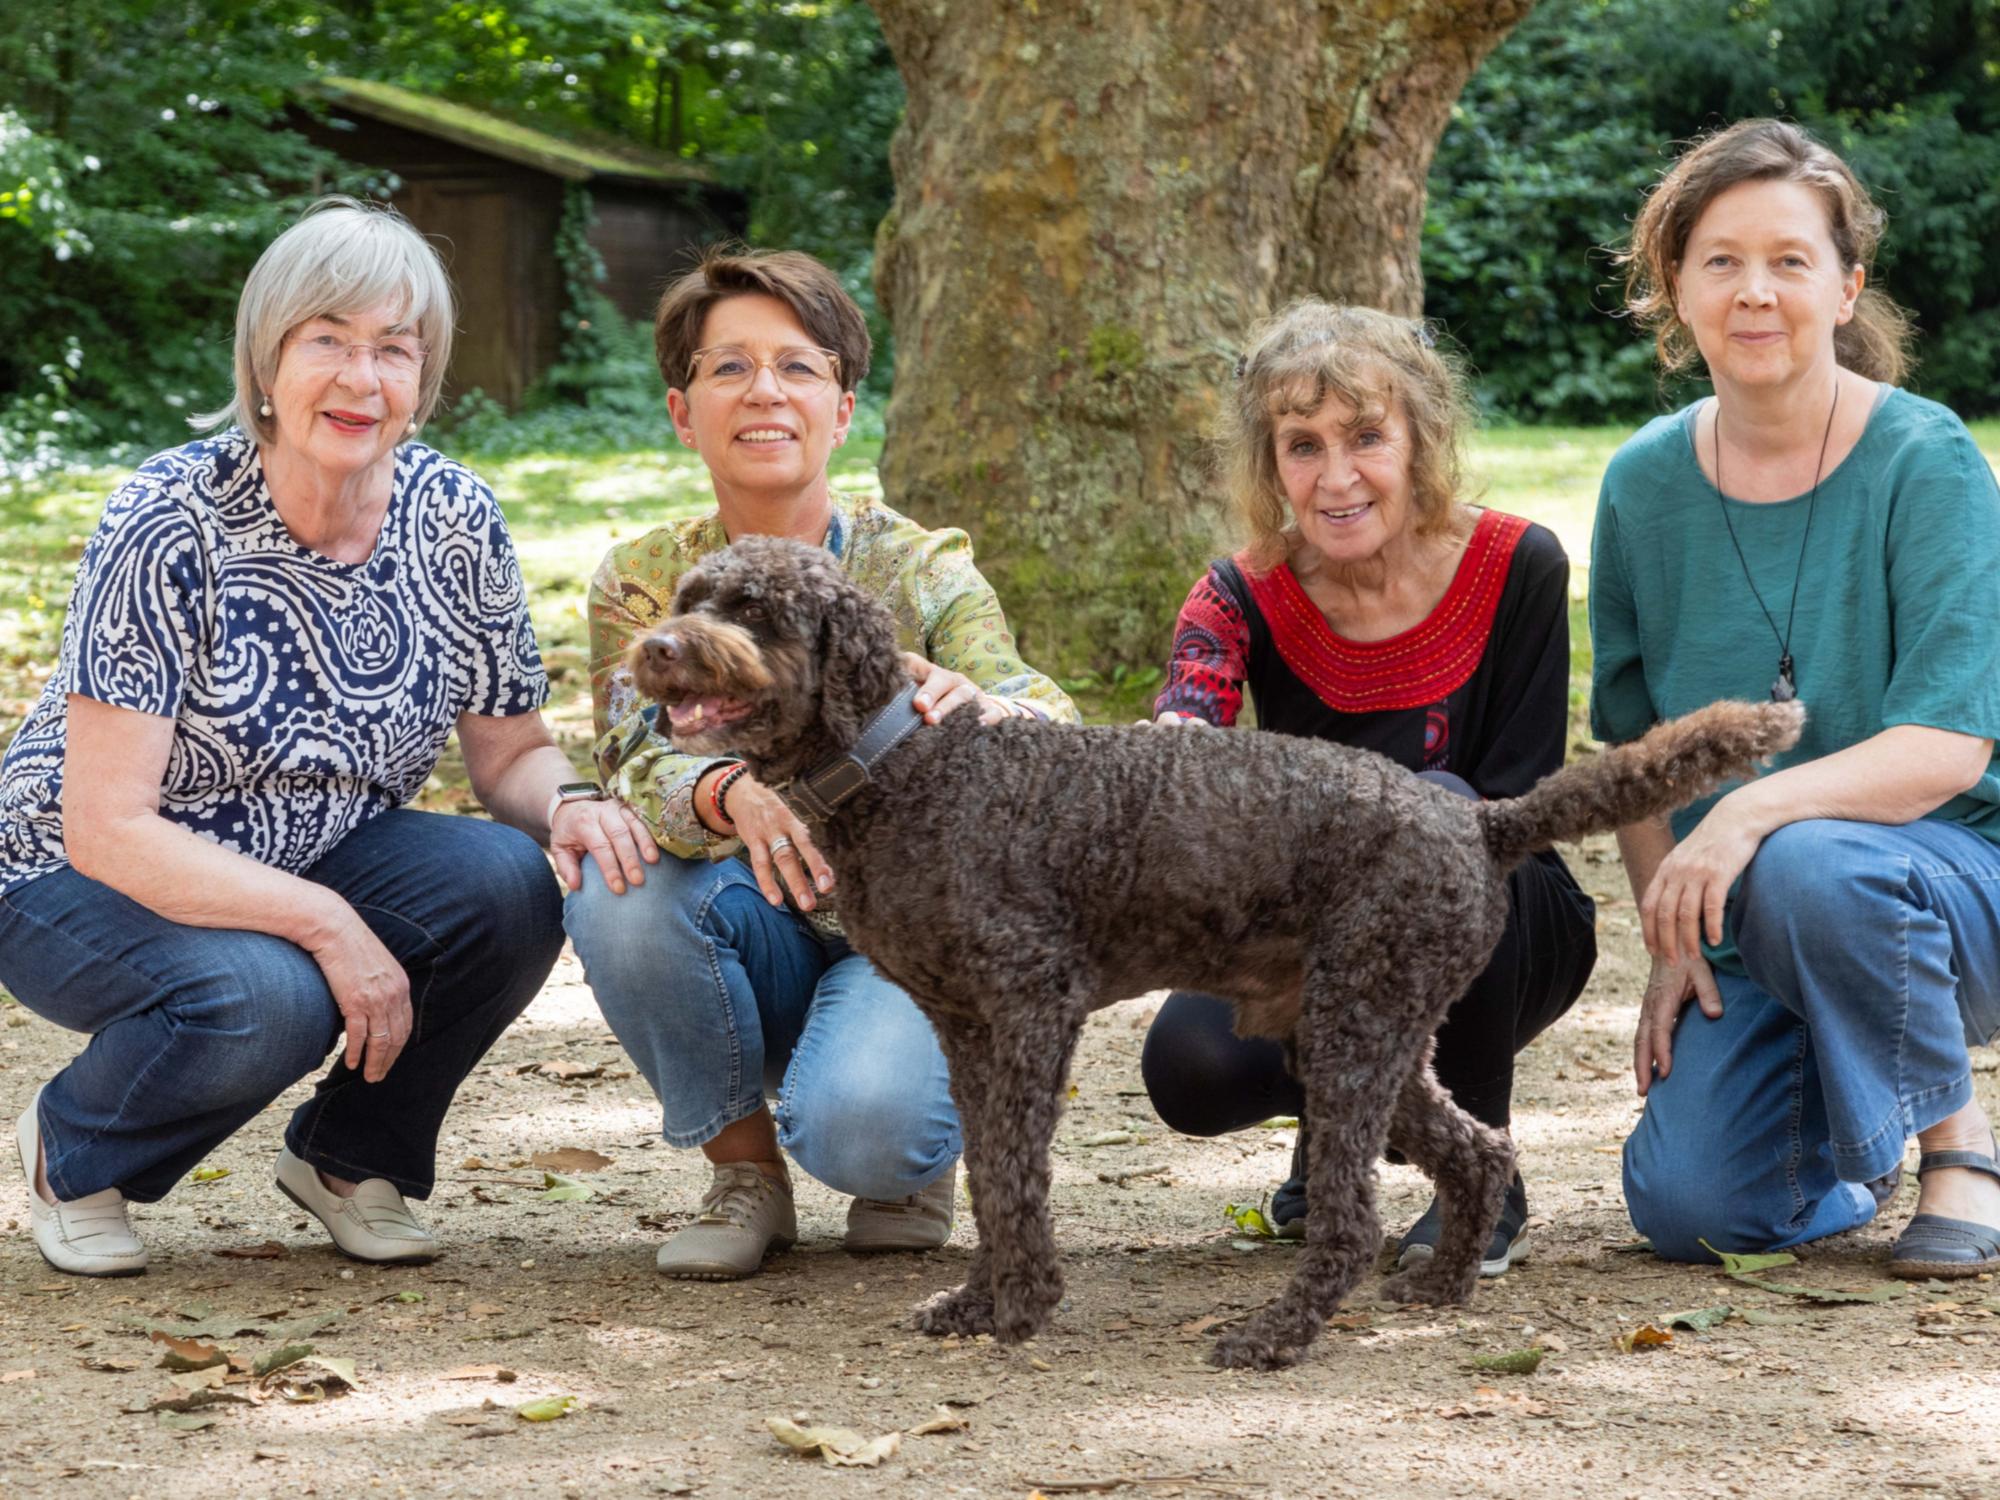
{"x": 690, "y": 712}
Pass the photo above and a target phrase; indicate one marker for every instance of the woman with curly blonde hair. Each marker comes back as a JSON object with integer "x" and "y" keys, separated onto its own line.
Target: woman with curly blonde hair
{"x": 1375, "y": 608}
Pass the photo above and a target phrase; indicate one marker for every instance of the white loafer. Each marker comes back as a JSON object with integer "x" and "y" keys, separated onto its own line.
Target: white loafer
{"x": 375, "y": 1225}
{"x": 87, "y": 1236}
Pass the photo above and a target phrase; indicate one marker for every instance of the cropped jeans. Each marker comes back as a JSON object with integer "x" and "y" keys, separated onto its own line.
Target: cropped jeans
{"x": 721, "y": 998}
{"x": 1873, "y": 959}
{"x": 194, "y": 1030}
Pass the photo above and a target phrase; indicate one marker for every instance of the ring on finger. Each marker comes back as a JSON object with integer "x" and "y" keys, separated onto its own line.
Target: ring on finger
{"x": 378, "y": 1033}
{"x": 779, "y": 844}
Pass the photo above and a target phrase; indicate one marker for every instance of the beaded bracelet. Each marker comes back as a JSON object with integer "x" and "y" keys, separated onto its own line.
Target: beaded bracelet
{"x": 720, "y": 789}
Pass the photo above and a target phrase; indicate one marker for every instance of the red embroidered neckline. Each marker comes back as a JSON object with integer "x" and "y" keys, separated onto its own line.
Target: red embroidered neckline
{"x": 1421, "y": 666}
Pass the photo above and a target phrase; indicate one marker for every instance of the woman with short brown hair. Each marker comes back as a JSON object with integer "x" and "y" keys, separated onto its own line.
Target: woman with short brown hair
{"x": 1810, "y": 531}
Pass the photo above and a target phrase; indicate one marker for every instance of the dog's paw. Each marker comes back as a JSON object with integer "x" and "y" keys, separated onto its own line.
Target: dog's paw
{"x": 964, "y": 1311}
{"x": 1249, "y": 1348}
{"x": 1425, "y": 1285}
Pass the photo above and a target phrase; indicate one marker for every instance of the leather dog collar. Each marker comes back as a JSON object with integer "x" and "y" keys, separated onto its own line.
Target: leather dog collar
{"x": 833, "y": 781}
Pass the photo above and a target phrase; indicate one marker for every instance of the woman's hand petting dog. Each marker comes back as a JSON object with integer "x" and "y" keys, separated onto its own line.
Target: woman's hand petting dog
{"x": 780, "y": 846}
{"x": 608, "y": 832}
{"x": 940, "y": 690}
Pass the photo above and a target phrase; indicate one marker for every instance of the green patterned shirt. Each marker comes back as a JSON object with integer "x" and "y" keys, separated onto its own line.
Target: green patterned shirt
{"x": 945, "y": 611}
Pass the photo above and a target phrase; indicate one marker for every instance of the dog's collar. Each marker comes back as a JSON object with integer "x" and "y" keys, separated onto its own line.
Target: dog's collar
{"x": 833, "y": 781}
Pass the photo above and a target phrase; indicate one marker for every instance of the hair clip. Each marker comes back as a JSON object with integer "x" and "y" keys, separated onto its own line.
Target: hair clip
{"x": 1423, "y": 335}
{"x": 1242, "y": 364}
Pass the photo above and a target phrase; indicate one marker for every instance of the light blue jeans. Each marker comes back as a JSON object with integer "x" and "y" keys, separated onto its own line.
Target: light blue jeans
{"x": 720, "y": 997}
{"x": 1873, "y": 955}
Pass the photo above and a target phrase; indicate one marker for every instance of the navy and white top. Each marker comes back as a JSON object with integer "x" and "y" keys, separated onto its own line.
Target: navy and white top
{"x": 307, "y": 695}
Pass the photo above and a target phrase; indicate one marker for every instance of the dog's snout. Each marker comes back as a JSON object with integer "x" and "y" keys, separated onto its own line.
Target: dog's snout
{"x": 662, "y": 650}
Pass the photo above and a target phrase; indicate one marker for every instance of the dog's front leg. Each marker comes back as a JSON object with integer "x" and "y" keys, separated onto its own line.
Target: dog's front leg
{"x": 1030, "y": 1057}
{"x": 968, "y": 1308}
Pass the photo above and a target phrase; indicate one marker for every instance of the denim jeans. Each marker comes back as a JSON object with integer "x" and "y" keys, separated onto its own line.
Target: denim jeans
{"x": 1873, "y": 954}
{"x": 194, "y": 1030}
{"x": 720, "y": 997}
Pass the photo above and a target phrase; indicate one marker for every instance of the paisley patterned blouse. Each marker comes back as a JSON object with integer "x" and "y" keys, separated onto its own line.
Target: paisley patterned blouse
{"x": 944, "y": 611}
{"x": 307, "y": 695}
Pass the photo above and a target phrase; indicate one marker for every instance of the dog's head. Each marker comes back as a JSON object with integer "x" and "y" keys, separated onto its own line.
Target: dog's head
{"x": 771, "y": 653}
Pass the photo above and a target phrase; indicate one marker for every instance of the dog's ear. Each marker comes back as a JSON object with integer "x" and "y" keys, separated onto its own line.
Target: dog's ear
{"x": 860, "y": 668}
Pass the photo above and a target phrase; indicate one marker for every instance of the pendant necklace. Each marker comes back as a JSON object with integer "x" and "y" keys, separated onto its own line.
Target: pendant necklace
{"x": 1784, "y": 688}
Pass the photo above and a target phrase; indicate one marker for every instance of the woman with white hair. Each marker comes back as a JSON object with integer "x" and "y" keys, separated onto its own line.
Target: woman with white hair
{"x": 205, "y": 861}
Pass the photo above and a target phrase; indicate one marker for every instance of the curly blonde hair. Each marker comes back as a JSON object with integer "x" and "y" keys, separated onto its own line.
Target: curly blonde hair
{"x": 1370, "y": 361}
{"x": 1874, "y": 342}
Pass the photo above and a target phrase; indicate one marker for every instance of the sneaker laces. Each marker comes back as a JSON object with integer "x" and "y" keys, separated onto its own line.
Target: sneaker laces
{"x": 736, "y": 1194}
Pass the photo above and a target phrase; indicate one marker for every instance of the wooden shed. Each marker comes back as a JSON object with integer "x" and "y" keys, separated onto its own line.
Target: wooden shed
{"x": 489, "y": 192}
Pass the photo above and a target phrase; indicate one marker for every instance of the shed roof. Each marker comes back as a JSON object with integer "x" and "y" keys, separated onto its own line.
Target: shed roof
{"x": 475, "y": 128}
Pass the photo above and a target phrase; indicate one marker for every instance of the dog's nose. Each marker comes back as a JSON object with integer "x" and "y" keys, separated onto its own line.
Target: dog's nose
{"x": 662, "y": 651}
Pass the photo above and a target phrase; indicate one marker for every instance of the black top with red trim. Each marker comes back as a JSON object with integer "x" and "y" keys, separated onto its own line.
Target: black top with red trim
{"x": 1479, "y": 688}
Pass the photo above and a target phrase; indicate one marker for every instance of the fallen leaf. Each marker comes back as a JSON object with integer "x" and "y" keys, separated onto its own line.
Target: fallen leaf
{"x": 1513, "y": 1362}
{"x": 564, "y": 1189}
{"x": 570, "y": 1159}
{"x": 1250, "y": 1219}
{"x": 208, "y": 1174}
{"x": 1452, "y": 1413}
{"x": 187, "y": 1354}
{"x": 562, "y": 1070}
{"x": 472, "y": 1164}
{"x": 271, "y": 1456}
{"x": 1738, "y": 1265}
{"x": 1199, "y": 1326}
{"x": 269, "y": 1250}
{"x": 1700, "y": 1319}
{"x": 1110, "y": 1138}
{"x": 313, "y": 1377}
{"x": 842, "y": 1447}
{"x": 409, "y": 1297}
{"x": 110, "y": 1366}
{"x": 946, "y": 1420}
{"x": 464, "y": 1419}
{"x": 227, "y": 1326}
{"x": 13, "y": 1375}
{"x": 484, "y": 1310}
{"x": 183, "y": 1422}
{"x": 547, "y": 1409}
{"x": 1758, "y": 1317}
{"x": 1645, "y": 1336}
{"x": 482, "y": 1372}
{"x": 1888, "y": 1291}
{"x": 279, "y": 1359}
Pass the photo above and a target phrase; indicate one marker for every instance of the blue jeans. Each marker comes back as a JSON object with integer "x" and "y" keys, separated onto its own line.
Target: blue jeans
{"x": 720, "y": 996}
{"x": 1873, "y": 954}
{"x": 194, "y": 1030}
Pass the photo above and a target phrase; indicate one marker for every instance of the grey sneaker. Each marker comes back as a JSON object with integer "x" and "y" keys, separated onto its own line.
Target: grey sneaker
{"x": 921, "y": 1221}
{"x": 744, "y": 1216}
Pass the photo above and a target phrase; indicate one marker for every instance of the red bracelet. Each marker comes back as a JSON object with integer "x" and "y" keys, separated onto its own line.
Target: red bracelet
{"x": 720, "y": 788}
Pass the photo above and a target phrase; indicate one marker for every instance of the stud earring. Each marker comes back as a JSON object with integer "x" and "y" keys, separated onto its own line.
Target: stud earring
{"x": 412, "y": 426}
{"x": 264, "y": 409}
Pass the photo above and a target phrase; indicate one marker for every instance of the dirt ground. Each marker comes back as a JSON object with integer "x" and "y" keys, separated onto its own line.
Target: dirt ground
{"x": 674, "y": 1382}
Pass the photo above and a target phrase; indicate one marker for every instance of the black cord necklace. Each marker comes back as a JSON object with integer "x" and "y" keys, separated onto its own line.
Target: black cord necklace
{"x": 1785, "y": 687}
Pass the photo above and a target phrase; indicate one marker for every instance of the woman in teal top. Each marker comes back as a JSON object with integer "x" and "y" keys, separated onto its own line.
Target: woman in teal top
{"x": 1815, "y": 531}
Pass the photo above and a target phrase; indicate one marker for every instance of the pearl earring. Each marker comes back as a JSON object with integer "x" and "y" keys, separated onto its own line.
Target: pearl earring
{"x": 264, "y": 410}
{"x": 412, "y": 426}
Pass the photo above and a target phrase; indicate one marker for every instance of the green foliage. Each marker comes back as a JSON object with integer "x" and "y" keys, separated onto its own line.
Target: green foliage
{"x": 1558, "y": 134}
{"x": 146, "y": 159}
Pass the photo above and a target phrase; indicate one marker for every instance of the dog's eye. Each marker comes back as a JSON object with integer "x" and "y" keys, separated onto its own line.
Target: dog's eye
{"x": 754, "y": 612}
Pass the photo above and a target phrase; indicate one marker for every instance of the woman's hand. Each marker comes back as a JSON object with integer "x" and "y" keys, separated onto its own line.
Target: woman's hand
{"x": 370, "y": 988}
{"x": 1668, "y": 990}
{"x": 780, "y": 847}
{"x": 1688, "y": 891}
{"x": 610, "y": 833}
{"x": 940, "y": 690}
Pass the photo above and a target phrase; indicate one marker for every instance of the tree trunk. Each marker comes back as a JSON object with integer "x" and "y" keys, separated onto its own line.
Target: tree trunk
{"x": 1095, "y": 199}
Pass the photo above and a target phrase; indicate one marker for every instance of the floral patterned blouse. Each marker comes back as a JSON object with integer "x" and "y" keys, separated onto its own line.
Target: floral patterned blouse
{"x": 945, "y": 611}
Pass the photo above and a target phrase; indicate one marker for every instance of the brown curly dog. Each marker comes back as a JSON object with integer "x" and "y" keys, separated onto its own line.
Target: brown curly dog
{"x": 1015, "y": 877}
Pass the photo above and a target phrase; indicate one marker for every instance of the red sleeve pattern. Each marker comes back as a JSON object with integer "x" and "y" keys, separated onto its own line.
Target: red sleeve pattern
{"x": 1210, "y": 657}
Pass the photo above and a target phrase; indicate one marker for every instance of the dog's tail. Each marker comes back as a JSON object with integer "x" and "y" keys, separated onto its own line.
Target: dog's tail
{"x": 1669, "y": 767}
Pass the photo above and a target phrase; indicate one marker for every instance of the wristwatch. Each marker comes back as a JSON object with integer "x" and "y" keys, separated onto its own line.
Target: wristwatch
{"x": 575, "y": 791}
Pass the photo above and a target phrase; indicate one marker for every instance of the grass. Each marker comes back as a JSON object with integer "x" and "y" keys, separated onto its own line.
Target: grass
{"x": 564, "y": 509}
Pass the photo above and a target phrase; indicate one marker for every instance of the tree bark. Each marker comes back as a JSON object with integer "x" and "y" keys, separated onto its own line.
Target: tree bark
{"x": 1095, "y": 200}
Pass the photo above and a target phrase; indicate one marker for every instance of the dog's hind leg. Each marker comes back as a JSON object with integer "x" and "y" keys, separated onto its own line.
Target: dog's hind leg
{"x": 968, "y": 1308}
{"x": 1470, "y": 1164}
{"x": 1354, "y": 1050}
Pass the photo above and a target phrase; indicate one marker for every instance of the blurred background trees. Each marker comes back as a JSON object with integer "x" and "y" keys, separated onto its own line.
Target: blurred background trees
{"x": 144, "y": 159}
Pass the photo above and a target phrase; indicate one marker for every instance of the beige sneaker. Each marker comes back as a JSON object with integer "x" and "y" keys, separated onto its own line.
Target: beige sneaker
{"x": 921, "y": 1221}
{"x": 744, "y": 1216}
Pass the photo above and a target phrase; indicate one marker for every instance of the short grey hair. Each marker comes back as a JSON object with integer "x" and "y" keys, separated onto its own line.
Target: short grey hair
{"x": 342, "y": 257}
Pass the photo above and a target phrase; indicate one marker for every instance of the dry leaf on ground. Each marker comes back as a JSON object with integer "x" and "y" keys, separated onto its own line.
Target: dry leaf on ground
{"x": 571, "y": 1159}
{"x": 842, "y": 1447}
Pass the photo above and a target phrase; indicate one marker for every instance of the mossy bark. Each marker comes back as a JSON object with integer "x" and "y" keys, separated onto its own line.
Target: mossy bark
{"x": 1095, "y": 199}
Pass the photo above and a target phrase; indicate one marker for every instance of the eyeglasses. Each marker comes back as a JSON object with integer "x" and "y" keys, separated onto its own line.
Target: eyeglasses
{"x": 803, "y": 372}
{"x": 397, "y": 357}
